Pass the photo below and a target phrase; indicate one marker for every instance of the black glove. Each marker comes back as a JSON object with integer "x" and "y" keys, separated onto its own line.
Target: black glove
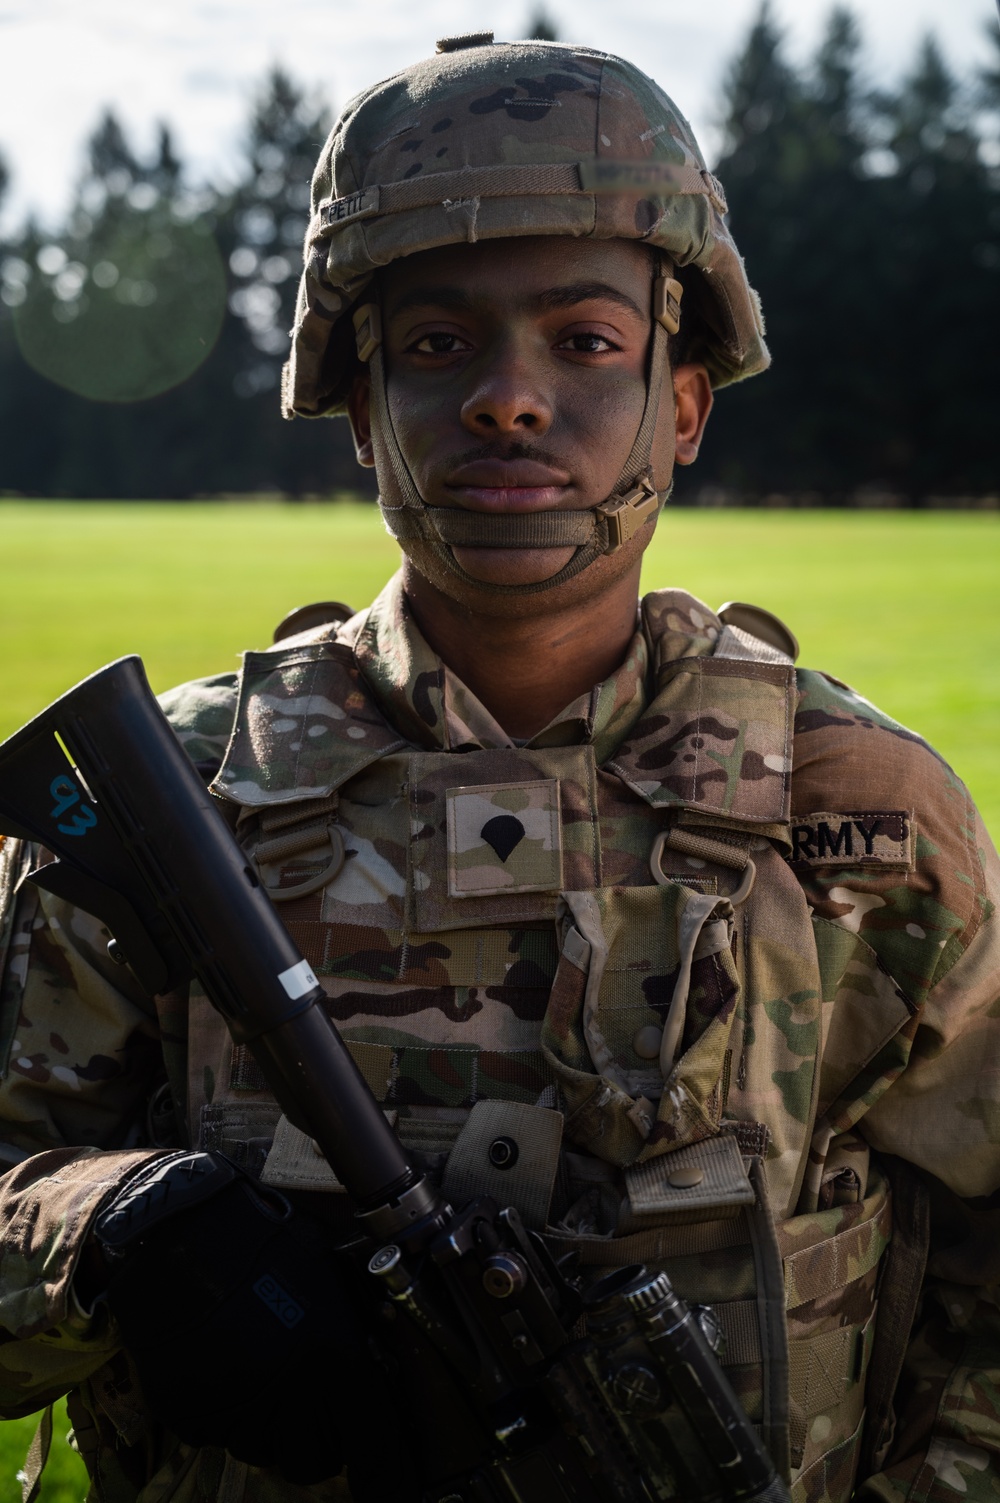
{"x": 240, "y": 1323}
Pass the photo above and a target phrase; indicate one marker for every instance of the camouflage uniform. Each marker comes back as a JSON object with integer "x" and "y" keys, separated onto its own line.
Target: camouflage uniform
{"x": 502, "y": 931}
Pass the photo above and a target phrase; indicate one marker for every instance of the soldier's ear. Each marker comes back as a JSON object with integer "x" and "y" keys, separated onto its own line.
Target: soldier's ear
{"x": 359, "y": 417}
{"x": 692, "y": 405}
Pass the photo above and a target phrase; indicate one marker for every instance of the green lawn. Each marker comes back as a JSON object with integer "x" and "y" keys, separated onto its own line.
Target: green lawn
{"x": 64, "y": 1479}
{"x": 902, "y": 606}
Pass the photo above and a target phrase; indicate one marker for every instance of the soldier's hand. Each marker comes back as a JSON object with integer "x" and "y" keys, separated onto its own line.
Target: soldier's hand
{"x": 243, "y": 1333}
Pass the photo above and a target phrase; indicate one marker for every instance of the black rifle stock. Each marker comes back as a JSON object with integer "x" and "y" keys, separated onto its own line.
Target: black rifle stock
{"x": 637, "y": 1410}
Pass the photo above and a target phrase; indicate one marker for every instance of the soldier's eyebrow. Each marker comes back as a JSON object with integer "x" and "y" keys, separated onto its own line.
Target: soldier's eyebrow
{"x": 458, "y": 300}
{"x": 454, "y": 298}
{"x": 587, "y": 292}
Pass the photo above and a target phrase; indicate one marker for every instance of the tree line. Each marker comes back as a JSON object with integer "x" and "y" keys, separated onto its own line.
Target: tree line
{"x": 141, "y": 344}
{"x": 870, "y": 223}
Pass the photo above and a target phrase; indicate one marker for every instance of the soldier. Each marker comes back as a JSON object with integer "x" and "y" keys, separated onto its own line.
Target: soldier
{"x": 708, "y": 939}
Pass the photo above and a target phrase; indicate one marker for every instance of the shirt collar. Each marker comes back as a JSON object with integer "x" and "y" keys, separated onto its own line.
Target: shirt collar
{"x": 431, "y": 706}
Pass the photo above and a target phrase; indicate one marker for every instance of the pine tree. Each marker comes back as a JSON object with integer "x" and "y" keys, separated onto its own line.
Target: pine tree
{"x": 111, "y": 159}
{"x": 940, "y": 284}
{"x": 989, "y": 77}
{"x": 542, "y": 28}
{"x": 139, "y": 238}
{"x": 128, "y": 301}
{"x": 928, "y": 120}
{"x": 262, "y": 232}
{"x": 869, "y": 224}
{"x": 124, "y": 304}
{"x": 763, "y": 165}
{"x": 266, "y": 222}
{"x": 763, "y": 107}
{"x": 837, "y": 110}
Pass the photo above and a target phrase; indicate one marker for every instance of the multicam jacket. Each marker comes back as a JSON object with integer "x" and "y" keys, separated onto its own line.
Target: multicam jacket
{"x": 719, "y": 915}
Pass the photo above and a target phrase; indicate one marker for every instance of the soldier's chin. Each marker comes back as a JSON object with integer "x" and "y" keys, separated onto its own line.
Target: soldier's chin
{"x": 512, "y": 566}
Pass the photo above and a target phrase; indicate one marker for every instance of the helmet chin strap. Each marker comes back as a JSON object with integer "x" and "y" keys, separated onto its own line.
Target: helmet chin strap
{"x": 428, "y": 534}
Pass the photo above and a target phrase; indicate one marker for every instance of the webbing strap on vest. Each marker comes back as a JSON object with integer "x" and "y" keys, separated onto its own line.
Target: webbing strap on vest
{"x": 290, "y": 831}
{"x": 899, "y": 1294}
{"x": 845, "y": 1257}
{"x": 30, "y": 1475}
{"x": 741, "y": 1329}
{"x": 772, "y": 1324}
{"x": 233, "y": 1483}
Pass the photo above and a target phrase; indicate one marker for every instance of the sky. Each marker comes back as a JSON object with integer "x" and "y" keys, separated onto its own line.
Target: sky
{"x": 196, "y": 63}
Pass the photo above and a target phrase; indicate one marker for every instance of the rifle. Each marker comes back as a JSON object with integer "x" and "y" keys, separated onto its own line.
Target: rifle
{"x": 609, "y": 1394}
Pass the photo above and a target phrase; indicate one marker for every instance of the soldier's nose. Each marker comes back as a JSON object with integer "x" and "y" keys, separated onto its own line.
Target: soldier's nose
{"x": 506, "y": 403}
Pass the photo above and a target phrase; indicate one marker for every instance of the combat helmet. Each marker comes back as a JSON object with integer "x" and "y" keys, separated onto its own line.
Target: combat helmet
{"x": 488, "y": 140}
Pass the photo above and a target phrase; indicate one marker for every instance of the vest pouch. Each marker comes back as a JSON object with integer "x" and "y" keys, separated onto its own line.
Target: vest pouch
{"x": 832, "y": 1262}
{"x": 639, "y": 1018}
{"x": 730, "y": 1262}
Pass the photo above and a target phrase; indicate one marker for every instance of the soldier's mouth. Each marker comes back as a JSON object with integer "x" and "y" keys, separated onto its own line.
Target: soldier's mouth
{"x": 509, "y": 485}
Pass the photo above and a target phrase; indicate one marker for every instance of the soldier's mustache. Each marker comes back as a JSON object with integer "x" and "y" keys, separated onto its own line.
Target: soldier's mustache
{"x": 510, "y": 450}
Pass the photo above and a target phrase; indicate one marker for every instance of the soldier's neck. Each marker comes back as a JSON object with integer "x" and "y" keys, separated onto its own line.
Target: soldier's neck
{"x": 526, "y": 669}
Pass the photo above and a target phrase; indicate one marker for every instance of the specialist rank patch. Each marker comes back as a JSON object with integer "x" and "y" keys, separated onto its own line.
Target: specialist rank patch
{"x": 504, "y": 838}
{"x": 882, "y": 838}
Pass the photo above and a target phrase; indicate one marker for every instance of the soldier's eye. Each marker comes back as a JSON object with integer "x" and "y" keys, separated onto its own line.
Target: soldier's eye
{"x": 437, "y": 344}
{"x": 588, "y": 344}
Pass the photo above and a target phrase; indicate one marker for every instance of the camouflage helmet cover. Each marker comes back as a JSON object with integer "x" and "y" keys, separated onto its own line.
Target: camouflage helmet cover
{"x": 488, "y": 140}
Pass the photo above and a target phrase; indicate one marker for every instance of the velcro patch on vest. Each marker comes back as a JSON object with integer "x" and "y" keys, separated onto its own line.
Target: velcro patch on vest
{"x": 504, "y": 838}
{"x": 880, "y": 838}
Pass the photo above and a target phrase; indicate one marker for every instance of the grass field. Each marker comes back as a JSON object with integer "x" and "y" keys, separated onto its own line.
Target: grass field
{"x": 64, "y": 1479}
{"x": 904, "y": 606}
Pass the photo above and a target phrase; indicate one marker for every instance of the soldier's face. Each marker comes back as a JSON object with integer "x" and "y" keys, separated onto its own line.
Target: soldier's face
{"x": 517, "y": 380}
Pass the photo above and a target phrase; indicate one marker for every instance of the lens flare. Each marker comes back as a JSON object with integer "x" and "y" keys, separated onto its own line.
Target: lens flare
{"x": 134, "y": 317}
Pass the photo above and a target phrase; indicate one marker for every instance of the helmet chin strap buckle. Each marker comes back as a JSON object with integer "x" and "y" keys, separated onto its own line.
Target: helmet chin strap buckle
{"x": 367, "y": 322}
{"x": 626, "y": 514}
{"x": 667, "y": 294}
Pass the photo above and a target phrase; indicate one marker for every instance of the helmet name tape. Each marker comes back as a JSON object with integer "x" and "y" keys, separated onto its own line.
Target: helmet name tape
{"x": 354, "y": 206}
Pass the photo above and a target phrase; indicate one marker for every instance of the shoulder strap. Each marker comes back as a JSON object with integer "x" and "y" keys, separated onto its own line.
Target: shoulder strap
{"x": 737, "y": 644}
{"x": 312, "y": 622}
{"x": 749, "y": 631}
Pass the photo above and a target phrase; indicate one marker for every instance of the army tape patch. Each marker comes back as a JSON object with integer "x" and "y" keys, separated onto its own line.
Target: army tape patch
{"x": 504, "y": 838}
{"x": 861, "y": 838}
